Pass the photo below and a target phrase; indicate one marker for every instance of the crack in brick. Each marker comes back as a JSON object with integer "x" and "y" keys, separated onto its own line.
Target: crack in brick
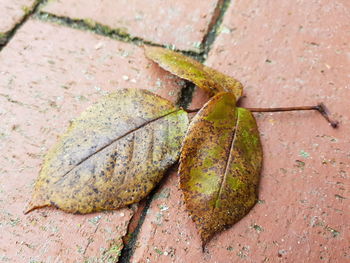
{"x": 90, "y": 239}
{"x": 11, "y": 100}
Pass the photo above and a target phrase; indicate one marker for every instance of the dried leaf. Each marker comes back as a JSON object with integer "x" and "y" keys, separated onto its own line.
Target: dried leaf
{"x": 187, "y": 68}
{"x": 112, "y": 155}
{"x": 220, "y": 165}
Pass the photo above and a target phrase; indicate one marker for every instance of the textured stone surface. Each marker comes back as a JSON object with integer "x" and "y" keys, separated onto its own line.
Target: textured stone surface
{"x": 11, "y": 13}
{"x": 180, "y": 23}
{"x": 285, "y": 54}
{"x": 49, "y": 74}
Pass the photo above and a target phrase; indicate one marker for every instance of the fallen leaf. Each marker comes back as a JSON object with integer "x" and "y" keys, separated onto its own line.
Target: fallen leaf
{"x": 220, "y": 165}
{"x": 112, "y": 155}
{"x": 187, "y": 68}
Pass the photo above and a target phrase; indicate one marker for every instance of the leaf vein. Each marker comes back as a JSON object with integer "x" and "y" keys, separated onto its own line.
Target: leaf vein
{"x": 229, "y": 159}
{"x": 115, "y": 140}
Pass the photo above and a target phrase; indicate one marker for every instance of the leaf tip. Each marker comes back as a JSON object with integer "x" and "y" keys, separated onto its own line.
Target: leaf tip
{"x": 29, "y": 209}
{"x": 203, "y": 247}
{"x": 205, "y": 238}
{"x": 148, "y": 50}
{"x": 35, "y": 204}
{"x": 144, "y": 47}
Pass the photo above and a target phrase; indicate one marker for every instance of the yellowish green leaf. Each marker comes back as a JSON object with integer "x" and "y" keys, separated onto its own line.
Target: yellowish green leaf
{"x": 187, "y": 68}
{"x": 220, "y": 165}
{"x": 112, "y": 155}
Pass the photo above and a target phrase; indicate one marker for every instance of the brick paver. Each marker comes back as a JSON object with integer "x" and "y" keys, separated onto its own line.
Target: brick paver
{"x": 180, "y": 23}
{"x": 11, "y": 13}
{"x": 49, "y": 74}
{"x": 285, "y": 54}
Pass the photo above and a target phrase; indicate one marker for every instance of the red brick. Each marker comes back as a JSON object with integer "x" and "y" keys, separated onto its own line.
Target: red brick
{"x": 11, "y": 14}
{"x": 285, "y": 53}
{"x": 180, "y": 23}
{"x": 49, "y": 74}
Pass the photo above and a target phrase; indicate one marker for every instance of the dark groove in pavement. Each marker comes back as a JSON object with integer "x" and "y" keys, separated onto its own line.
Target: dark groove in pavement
{"x": 213, "y": 31}
{"x": 129, "y": 248}
{"x": 103, "y": 30}
{"x": 9, "y": 35}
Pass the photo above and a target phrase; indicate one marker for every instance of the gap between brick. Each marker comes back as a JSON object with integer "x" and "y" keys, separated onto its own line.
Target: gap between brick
{"x": 9, "y": 35}
{"x": 214, "y": 26}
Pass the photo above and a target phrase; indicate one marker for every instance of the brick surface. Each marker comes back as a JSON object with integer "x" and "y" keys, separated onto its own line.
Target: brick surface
{"x": 286, "y": 54}
{"x": 180, "y": 23}
{"x": 49, "y": 74}
{"x": 11, "y": 13}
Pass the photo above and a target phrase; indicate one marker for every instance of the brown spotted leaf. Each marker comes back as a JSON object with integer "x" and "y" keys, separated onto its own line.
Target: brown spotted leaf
{"x": 187, "y": 68}
{"x": 220, "y": 165}
{"x": 112, "y": 155}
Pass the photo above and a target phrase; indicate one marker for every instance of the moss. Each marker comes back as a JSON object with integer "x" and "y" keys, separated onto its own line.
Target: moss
{"x": 257, "y": 228}
{"x": 158, "y": 251}
{"x": 2, "y": 35}
{"x": 115, "y": 249}
{"x": 89, "y": 22}
{"x": 26, "y": 9}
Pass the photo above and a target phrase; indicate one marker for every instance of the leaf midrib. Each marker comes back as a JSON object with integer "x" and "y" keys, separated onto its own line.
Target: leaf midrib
{"x": 228, "y": 161}
{"x": 117, "y": 139}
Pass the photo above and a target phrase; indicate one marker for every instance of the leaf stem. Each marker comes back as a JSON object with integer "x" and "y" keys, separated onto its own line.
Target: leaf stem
{"x": 321, "y": 108}
{"x": 191, "y": 111}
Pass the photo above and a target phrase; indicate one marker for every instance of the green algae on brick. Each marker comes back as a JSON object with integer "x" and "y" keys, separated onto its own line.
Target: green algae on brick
{"x": 3, "y": 37}
{"x": 112, "y": 155}
{"x": 220, "y": 165}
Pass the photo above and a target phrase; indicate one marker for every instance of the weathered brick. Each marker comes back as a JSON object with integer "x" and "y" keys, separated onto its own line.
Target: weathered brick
{"x": 183, "y": 24}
